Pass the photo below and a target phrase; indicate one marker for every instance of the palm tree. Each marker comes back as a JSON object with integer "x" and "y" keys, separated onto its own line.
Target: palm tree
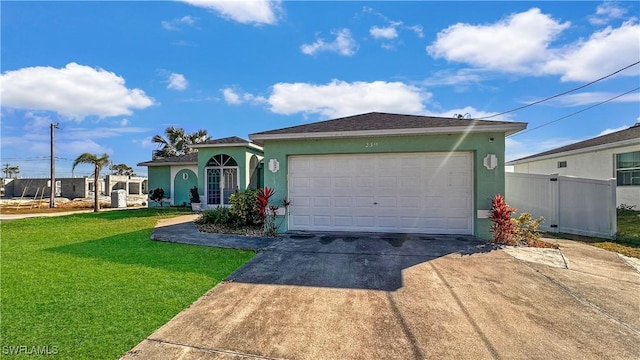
{"x": 177, "y": 141}
{"x": 98, "y": 163}
{"x": 10, "y": 170}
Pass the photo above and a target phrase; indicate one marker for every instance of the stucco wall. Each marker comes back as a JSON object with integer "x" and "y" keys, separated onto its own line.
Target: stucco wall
{"x": 159, "y": 177}
{"x": 486, "y": 183}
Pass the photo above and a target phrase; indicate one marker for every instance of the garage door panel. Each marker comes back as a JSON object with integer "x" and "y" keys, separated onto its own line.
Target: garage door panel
{"x": 322, "y": 201}
{"x": 343, "y": 202}
{"x": 364, "y": 221}
{"x": 417, "y": 192}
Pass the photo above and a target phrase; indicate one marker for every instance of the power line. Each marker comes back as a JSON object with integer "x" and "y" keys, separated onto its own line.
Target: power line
{"x": 561, "y": 94}
{"x": 577, "y": 112}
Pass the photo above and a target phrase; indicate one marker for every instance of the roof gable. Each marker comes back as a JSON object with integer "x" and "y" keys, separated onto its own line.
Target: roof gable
{"x": 385, "y": 123}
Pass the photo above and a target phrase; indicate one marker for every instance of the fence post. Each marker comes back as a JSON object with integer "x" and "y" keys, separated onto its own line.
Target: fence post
{"x": 554, "y": 204}
{"x": 613, "y": 215}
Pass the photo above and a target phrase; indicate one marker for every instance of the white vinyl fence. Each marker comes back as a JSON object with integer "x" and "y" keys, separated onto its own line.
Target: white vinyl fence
{"x": 568, "y": 204}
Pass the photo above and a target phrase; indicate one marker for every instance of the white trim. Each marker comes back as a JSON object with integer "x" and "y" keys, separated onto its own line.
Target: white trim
{"x": 171, "y": 164}
{"x": 614, "y": 145}
{"x": 507, "y": 128}
{"x": 246, "y": 144}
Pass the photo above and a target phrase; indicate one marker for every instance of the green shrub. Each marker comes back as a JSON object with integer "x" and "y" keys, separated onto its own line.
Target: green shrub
{"x": 527, "y": 229}
{"x": 157, "y": 195}
{"x": 244, "y": 207}
{"x": 218, "y": 216}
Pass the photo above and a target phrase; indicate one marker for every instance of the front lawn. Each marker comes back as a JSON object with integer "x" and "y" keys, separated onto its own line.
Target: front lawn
{"x": 92, "y": 286}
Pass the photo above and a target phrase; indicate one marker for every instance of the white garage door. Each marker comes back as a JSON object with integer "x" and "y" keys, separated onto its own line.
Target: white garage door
{"x": 406, "y": 192}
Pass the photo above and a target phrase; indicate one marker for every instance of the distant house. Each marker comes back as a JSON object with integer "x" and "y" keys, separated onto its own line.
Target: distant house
{"x": 371, "y": 172}
{"x": 615, "y": 155}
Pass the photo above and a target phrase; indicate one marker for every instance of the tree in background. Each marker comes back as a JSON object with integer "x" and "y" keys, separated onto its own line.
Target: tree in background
{"x": 10, "y": 170}
{"x": 176, "y": 142}
{"x": 121, "y": 169}
{"x": 98, "y": 163}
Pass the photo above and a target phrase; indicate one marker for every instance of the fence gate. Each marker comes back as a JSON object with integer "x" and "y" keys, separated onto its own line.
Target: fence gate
{"x": 568, "y": 204}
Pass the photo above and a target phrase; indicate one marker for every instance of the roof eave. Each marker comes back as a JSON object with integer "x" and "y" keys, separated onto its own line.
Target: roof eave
{"x": 575, "y": 151}
{"x": 167, "y": 163}
{"x": 507, "y": 128}
{"x": 245, "y": 144}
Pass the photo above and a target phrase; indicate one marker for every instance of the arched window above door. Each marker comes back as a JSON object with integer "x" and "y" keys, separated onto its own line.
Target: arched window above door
{"x": 222, "y": 160}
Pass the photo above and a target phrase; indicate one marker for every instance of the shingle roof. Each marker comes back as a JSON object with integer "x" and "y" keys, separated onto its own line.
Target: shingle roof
{"x": 630, "y": 134}
{"x": 376, "y": 121}
{"x": 184, "y": 159}
{"x": 227, "y": 140}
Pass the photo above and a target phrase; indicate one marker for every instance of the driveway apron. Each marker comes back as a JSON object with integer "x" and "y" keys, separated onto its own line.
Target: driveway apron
{"x": 364, "y": 296}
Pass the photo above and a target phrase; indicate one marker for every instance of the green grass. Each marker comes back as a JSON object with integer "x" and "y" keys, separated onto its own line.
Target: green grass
{"x": 91, "y": 286}
{"x": 627, "y": 241}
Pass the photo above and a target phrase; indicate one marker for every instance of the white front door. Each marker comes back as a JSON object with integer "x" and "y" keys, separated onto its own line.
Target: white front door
{"x": 404, "y": 192}
{"x": 221, "y": 183}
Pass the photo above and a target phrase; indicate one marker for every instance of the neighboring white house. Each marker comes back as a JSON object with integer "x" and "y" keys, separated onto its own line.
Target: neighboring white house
{"x": 615, "y": 155}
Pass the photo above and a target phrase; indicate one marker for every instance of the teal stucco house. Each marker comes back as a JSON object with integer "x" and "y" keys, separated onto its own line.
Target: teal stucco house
{"x": 373, "y": 172}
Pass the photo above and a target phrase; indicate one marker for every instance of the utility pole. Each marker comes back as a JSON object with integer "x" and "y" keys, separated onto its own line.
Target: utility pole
{"x": 52, "y": 200}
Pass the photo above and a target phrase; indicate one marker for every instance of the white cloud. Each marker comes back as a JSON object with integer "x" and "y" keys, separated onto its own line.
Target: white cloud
{"x": 388, "y": 32}
{"x": 82, "y": 146}
{"x": 472, "y": 112}
{"x": 418, "y": 29}
{"x": 340, "y": 98}
{"x": 174, "y": 24}
{"x": 75, "y": 91}
{"x": 604, "y": 52}
{"x": 459, "y": 77}
{"x": 231, "y": 97}
{"x": 177, "y": 82}
{"x": 494, "y": 46}
{"x": 256, "y": 12}
{"x": 491, "y": 47}
{"x": 124, "y": 122}
{"x": 98, "y": 132}
{"x": 344, "y": 44}
{"x": 606, "y": 12}
{"x": 609, "y": 131}
{"x": 588, "y": 98}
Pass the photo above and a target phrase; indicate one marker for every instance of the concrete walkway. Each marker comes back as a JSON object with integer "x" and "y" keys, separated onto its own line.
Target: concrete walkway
{"x": 341, "y": 296}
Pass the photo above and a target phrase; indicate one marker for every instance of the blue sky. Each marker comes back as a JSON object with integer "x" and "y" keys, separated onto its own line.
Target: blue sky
{"x": 113, "y": 74}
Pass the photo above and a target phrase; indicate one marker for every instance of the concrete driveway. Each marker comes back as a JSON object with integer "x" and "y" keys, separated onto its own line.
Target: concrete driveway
{"x": 376, "y": 296}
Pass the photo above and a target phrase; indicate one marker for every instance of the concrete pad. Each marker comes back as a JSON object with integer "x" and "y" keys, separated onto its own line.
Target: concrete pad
{"x": 631, "y": 261}
{"x": 309, "y": 301}
{"x": 549, "y": 257}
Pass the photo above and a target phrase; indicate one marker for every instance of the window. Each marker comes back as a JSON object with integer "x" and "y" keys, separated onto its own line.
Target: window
{"x": 628, "y": 168}
{"x": 562, "y": 164}
{"x": 222, "y": 179}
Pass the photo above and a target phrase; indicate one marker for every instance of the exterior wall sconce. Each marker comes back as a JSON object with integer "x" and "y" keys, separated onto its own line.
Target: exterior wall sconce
{"x": 274, "y": 165}
{"x": 490, "y": 161}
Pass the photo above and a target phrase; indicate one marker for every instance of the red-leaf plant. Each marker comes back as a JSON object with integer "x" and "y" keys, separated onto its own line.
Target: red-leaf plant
{"x": 263, "y": 202}
{"x": 502, "y": 228}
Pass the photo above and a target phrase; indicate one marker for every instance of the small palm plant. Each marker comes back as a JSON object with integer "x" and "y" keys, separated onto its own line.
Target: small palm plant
{"x": 98, "y": 163}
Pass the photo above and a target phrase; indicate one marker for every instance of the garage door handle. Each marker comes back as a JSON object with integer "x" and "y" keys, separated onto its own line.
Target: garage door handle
{"x": 375, "y": 203}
